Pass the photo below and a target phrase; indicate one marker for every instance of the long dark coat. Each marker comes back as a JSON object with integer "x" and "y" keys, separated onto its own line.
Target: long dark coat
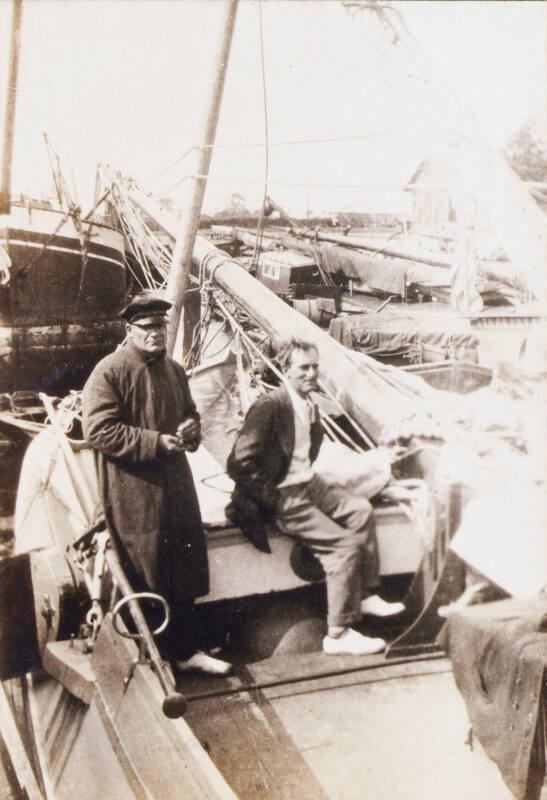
{"x": 150, "y": 500}
{"x": 259, "y": 462}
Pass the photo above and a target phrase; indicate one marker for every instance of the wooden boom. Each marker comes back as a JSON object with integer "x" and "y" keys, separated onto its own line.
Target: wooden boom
{"x": 375, "y": 396}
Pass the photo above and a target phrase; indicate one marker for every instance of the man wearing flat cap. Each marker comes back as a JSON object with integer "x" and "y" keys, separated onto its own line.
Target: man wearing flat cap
{"x": 139, "y": 416}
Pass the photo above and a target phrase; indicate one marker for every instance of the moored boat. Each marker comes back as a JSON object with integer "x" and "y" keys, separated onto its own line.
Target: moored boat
{"x": 291, "y": 722}
{"x": 100, "y": 715}
{"x": 63, "y": 284}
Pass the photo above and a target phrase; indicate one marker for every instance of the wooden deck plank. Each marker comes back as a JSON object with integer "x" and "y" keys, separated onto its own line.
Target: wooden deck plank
{"x": 373, "y": 728}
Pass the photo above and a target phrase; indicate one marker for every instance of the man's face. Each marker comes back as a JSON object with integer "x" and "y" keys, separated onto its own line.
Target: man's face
{"x": 148, "y": 334}
{"x": 302, "y": 371}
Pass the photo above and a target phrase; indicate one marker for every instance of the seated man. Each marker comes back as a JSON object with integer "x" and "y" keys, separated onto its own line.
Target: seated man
{"x": 271, "y": 465}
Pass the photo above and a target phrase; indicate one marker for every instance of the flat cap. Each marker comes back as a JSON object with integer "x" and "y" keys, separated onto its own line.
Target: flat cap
{"x": 145, "y": 306}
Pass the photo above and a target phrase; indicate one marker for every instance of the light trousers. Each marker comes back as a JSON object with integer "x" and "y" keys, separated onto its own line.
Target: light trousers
{"x": 339, "y": 529}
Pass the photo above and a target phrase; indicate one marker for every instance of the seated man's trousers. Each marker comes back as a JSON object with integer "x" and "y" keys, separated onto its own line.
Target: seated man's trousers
{"x": 339, "y": 529}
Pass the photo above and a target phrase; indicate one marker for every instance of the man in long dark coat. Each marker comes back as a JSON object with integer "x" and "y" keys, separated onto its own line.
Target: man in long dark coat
{"x": 138, "y": 414}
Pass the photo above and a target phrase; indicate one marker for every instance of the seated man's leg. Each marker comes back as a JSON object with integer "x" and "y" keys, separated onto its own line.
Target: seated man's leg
{"x": 355, "y": 515}
{"x": 338, "y": 550}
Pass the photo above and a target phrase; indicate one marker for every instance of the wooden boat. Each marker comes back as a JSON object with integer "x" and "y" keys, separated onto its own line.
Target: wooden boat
{"x": 93, "y": 712}
{"x": 91, "y": 707}
{"x": 60, "y": 297}
{"x": 63, "y": 278}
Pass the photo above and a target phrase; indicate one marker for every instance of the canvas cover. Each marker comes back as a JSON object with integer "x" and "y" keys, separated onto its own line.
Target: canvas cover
{"x": 388, "y": 332}
{"x": 498, "y": 653}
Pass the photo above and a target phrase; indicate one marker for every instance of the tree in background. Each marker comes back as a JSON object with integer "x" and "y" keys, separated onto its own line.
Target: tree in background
{"x": 527, "y": 154}
{"x": 235, "y": 209}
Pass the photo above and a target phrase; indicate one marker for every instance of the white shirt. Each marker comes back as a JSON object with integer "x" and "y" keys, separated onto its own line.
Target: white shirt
{"x": 300, "y": 470}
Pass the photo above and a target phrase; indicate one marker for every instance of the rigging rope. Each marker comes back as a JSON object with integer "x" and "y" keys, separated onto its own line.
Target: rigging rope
{"x": 206, "y": 286}
{"x": 175, "y": 162}
{"x": 308, "y": 185}
{"x": 288, "y": 143}
{"x": 145, "y": 243}
{"x": 277, "y": 372}
{"x": 260, "y": 227}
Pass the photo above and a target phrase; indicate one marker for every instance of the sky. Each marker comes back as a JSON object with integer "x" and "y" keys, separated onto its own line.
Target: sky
{"x": 126, "y": 83}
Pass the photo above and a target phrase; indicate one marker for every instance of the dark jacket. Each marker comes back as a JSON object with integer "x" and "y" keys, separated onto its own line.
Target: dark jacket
{"x": 260, "y": 460}
{"x": 149, "y": 499}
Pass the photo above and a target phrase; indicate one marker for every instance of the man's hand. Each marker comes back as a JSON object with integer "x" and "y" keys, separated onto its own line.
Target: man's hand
{"x": 169, "y": 444}
{"x": 189, "y": 434}
{"x": 397, "y": 453}
{"x": 188, "y": 431}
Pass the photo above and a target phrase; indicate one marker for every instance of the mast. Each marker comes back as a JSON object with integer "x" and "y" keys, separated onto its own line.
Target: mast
{"x": 192, "y": 200}
{"x": 9, "y": 122}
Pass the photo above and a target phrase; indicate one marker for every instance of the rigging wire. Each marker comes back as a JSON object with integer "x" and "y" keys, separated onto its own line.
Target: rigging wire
{"x": 306, "y": 185}
{"x": 176, "y": 161}
{"x": 260, "y": 227}
{"x": 287, "y": 143}
{"x": 249, "y": 342}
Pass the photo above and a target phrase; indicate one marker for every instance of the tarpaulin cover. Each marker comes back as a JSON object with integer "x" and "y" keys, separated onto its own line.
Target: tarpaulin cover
{"x": 388, "y": 332}
{"x": 373, "y": 270}
{"x": 498, "y": 653}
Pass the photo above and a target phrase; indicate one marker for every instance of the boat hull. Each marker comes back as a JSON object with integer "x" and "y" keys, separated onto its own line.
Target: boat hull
{"x": 59, "y": 300}
{"x": 94, "y": 728}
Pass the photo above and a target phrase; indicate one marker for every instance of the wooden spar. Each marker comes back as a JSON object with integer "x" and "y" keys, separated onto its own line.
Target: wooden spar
{"x": 308, "y": 245}
{"x": 360, "y": 244}
{"x": 358, "y": 382}
{"x": 516, "y": 219}
{"x": 373, "y": 270}
{"x": 9, "y": 122}
{"x": 174, "y": 703}
{"x": 502, "y": 271}
{"x": 417, "y": 269}
{"x": 195, "y": 186}
{"x": 351, "y": 242}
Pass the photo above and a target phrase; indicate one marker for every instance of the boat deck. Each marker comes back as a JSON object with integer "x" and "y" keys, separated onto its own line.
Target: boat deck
{"x": 371, "y": 728}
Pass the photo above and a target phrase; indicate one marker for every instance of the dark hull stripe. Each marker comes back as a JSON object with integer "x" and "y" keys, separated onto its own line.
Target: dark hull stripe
{"x": 92, "y": 255}
{"x": 13, "y": 236}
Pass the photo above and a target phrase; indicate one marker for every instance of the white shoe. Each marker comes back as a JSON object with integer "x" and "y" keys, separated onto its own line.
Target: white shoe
{"x": 470, "y": 597}
{"x": 376, "y": 607}
{"x": 352, "y": 643}
{"x": 201, "y": 662}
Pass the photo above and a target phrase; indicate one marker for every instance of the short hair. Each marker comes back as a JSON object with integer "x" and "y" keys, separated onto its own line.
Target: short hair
{"x": 287, "y": 348}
